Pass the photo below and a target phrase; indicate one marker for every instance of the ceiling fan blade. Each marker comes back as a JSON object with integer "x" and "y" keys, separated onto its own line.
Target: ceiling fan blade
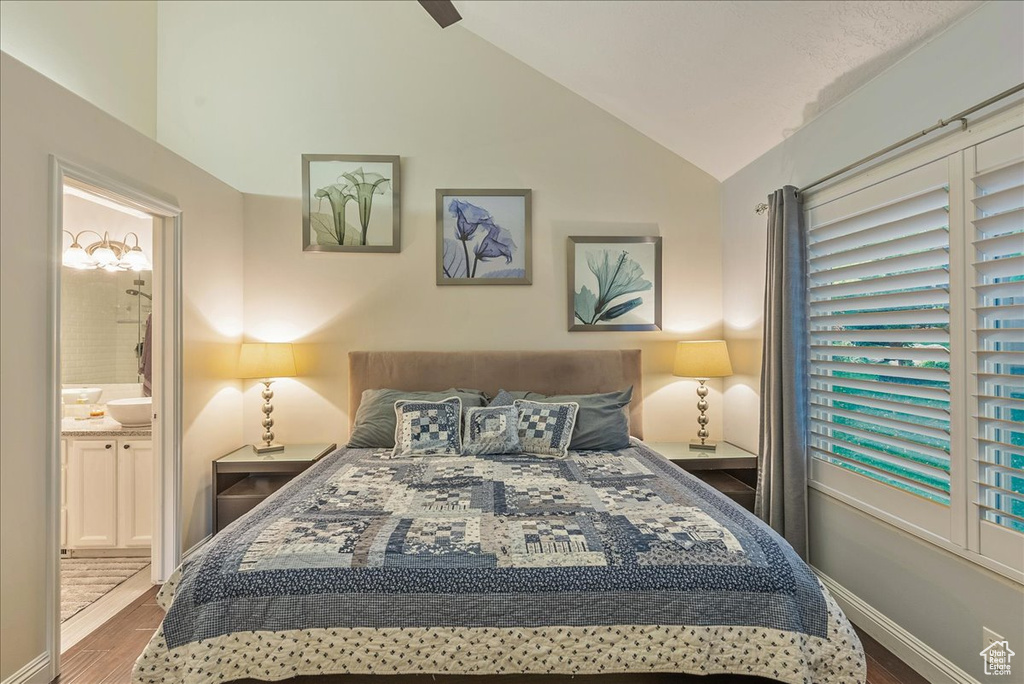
{"x": 443, "y": 12}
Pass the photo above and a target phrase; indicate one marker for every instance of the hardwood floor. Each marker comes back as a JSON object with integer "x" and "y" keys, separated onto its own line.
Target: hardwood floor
{"x": 883, "y": 666}
{"x": 106, "y": 656}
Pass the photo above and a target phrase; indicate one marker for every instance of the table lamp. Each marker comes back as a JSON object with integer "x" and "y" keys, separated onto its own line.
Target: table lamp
{"x": 266, "y": 362}
{"x": 701, "y": 361}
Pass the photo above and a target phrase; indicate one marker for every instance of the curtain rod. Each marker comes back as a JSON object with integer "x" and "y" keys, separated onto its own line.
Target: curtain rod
{"x": 942, "y": 123}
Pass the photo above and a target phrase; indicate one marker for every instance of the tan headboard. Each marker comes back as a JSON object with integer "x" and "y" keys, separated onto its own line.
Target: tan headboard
{"x": 547, "y": 372}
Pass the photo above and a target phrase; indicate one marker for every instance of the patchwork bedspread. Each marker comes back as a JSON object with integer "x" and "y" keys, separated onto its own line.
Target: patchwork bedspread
{"x": 600, "y": 562}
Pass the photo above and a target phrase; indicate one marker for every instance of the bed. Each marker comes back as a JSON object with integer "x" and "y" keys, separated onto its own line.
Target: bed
{"x": 600, "y": 564}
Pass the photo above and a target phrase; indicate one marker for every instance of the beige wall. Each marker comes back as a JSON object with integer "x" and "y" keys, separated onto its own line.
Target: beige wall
{"x": 937, "y": 596}
{"x": 104, "y": 51}
{"x": 461, "y": 114}
{"x": 41, "y": 118}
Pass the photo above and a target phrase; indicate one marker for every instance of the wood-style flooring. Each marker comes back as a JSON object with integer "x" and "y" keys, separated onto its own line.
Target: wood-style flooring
{"x": 106, "y": 656}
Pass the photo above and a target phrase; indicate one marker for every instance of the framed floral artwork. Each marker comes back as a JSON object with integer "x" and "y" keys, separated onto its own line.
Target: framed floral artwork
{"x": 350, "y": 203}
{"x": 484, "y": 237}
{"x": 614, "y": 283}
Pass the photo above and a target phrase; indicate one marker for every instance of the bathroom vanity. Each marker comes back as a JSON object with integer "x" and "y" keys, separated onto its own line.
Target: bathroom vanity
{"x": 106, "y": 486}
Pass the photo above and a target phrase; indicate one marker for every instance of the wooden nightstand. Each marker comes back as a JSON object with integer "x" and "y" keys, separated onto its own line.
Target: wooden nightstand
{"x": 244, "y": 478}
{"x": 729, "y": 469}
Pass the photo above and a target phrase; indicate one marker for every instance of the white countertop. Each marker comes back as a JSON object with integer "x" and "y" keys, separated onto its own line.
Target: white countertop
{"x": 100, "y": 427}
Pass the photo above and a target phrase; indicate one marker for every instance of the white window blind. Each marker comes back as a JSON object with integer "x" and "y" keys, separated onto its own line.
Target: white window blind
{"x": 879, "y": 332}
{"x": 916, "y": 339}
{"x": 996, "y": 215}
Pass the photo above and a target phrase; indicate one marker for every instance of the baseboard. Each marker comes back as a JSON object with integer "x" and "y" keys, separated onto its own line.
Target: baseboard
{"x": 36, "y": 671}
{"x": 921, "y": 657}
{"x": 195, "y": 547}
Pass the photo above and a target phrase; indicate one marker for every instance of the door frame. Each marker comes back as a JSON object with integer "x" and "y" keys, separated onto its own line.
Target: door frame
{"x": 167, "y": 366}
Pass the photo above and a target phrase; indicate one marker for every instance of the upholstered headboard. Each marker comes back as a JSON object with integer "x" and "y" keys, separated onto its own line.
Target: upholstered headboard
{"x": 547, "y": 372}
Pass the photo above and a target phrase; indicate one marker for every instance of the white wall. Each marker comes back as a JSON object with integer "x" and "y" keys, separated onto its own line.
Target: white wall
{"x": 104, "y": 51}
{"x": 973, "y": 60}
{"x": 41, "y": 118}
{"x": 382, "y": 78}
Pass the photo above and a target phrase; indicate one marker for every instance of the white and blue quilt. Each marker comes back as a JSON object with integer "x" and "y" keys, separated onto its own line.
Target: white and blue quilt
{"x": 597, "y": 563}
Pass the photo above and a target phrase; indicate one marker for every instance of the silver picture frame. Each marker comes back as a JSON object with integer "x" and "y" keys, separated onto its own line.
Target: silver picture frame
{"x": 524, "y": 242}
{"x": 576, "y": 323}
{"x": 309, "y": 244}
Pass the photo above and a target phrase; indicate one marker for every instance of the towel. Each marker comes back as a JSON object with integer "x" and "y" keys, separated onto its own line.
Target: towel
{"x": 146, "y": 359}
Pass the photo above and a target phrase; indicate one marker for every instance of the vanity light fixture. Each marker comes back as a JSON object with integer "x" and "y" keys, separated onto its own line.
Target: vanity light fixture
{"x": 135, "y": 259}
{"x": 104, "y": 254}
{"x": 110, "y": 255}
{"x": 75, "y": 256}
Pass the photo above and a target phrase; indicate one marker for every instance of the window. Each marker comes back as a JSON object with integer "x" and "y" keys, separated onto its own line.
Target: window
{"x": 996, "y": 230}
{"x": 916, "y": 327}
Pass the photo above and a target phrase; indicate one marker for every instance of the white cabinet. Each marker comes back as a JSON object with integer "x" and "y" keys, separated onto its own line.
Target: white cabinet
{"x": 134, "y": 493}
{"x": 92, "y": 493}
{"x": 108, "y": 493}
{"x": 63, "y": 493}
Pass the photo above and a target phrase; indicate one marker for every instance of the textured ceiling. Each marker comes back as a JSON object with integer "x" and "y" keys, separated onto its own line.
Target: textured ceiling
{"x": 718, "y": 83}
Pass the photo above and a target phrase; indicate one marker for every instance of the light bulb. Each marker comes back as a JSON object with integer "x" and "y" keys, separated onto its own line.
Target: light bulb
{"x": 136, "y": 260}
{"x": 76, "y": 257}
{"x": 105, "y": 256}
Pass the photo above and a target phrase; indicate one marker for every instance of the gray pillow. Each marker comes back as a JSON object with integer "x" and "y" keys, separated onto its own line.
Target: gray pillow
{"x": 503, "y": 398}
{"x": 375, "y": 420}
{"x": 602, "y": 422}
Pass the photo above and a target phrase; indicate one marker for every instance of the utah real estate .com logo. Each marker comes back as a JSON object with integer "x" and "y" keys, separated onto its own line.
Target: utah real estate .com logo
{"x": 997, "y": 658}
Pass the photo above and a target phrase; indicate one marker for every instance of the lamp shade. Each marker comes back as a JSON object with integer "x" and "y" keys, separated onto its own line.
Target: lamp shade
{"x": 266, "y": 361}
{"x": 707, "y": 359}
{"x": 104, "y": 255}
{"x": 136, "y": 260}
{"x": 76, "y": 257}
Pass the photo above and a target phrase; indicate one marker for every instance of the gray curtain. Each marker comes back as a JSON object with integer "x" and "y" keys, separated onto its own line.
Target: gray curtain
{"x": 781, "y": 499}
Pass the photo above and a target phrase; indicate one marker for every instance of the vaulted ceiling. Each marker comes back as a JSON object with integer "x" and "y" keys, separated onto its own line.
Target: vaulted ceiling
{"x": 718, "y": 83}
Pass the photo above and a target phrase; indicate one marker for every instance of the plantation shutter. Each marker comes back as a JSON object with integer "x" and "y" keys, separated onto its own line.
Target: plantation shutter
{"x": 879, "y": 332}
{"x": 996, "y": 213}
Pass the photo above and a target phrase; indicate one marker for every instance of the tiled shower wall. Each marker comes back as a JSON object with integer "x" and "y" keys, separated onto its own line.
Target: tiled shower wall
{"x": 101, "y": 325}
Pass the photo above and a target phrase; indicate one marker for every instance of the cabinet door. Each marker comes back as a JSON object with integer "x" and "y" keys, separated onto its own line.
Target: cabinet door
{"x": 92, "y": 494}
{"x": 135, "y": 493}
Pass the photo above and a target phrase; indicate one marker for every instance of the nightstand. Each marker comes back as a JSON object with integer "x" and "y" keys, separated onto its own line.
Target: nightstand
{"x": 244, "y": 478}
{"x": 729, "y": 469}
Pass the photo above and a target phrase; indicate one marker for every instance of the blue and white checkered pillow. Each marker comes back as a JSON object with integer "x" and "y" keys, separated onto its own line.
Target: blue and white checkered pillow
{"x": 428, "y": 428}
{"x": 491, "y": 430}
{"x": 546, "y": 429}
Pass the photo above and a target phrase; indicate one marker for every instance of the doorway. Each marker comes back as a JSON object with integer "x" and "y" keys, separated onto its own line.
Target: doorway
{"x": 115, "y": 415}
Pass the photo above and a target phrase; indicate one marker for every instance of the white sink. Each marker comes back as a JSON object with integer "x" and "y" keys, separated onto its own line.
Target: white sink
{"x": 80, "y": 395}
{"x": 135, "y": 412}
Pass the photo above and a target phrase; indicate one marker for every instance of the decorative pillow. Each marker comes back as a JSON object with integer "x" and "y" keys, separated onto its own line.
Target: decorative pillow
{"x": 428, "y": 428}
{"x": 602, "y": 422}
{"x": 503, "y": 398}
{"x": 375, "y": 420}
{"x": 546, "y": 429}
{"x": 492, "y": 430}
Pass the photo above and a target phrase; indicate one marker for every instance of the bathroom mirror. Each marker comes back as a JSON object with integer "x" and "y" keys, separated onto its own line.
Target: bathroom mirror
{"x": 103, "y": 325}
